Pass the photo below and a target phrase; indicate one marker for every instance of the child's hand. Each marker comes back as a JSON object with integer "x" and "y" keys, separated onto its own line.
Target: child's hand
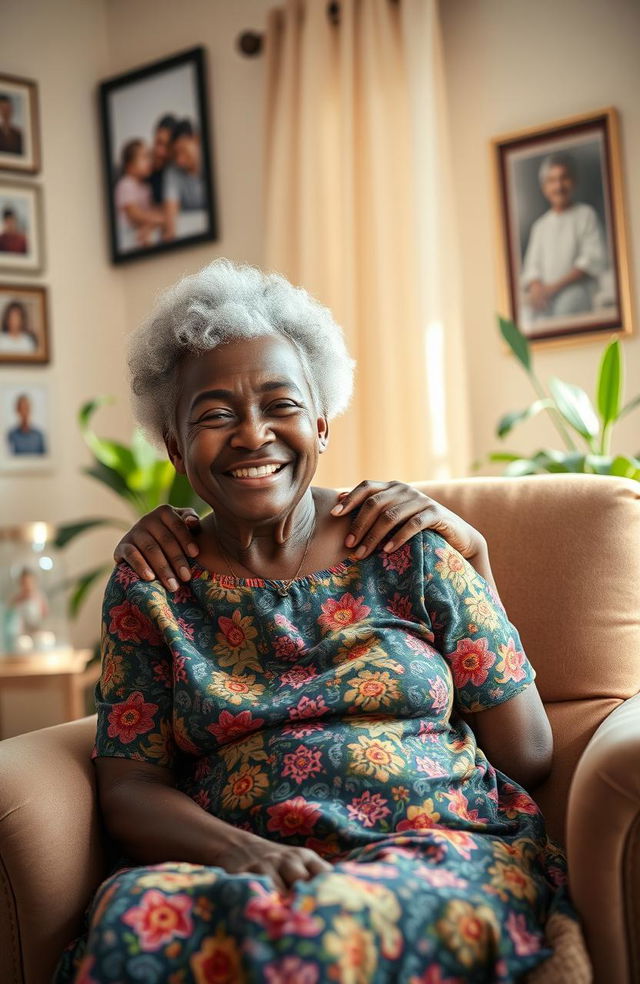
{"x": 157, "y": 544}
{"x": 386, "y": 505}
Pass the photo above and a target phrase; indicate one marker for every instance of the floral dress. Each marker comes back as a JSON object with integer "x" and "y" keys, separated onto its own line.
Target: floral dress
{"x": 326, "y": 718}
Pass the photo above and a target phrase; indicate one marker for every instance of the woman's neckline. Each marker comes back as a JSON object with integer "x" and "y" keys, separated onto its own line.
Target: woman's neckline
{"x": 204, "y": 574}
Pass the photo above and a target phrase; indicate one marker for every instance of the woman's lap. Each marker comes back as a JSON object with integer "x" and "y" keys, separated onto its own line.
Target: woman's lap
{"x": 385, "y": 913}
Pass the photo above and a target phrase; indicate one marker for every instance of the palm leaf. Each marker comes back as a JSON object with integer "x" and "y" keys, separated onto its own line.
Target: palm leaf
{"x": 66, "y": 532}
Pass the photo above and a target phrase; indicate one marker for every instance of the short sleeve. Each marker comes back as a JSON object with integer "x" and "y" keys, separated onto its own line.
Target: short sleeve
{"x": 471, "y": 630}
{"x": 134, "y": 696}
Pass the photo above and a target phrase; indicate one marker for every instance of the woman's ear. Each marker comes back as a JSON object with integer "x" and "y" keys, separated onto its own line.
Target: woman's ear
{"x": 173, "y": 450}
{"x": 323, "y": 433}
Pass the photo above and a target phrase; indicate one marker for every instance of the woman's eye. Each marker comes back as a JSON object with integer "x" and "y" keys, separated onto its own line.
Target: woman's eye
{"x": 281, "y": 405}
{"x": 214, "y": 417}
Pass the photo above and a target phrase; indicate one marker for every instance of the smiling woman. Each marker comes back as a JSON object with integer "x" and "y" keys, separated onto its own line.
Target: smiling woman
{"x": 311, "y": 758}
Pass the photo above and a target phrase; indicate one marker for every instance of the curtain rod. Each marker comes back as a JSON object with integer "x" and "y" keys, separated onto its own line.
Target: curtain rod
{"x": 250, "y": 43}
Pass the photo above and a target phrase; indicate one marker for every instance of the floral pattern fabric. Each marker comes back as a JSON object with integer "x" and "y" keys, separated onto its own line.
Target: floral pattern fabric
{"x": 331, "y": 719}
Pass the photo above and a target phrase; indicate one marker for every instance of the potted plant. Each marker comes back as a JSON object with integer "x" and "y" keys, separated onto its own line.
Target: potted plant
{"x": 585, "y": 431}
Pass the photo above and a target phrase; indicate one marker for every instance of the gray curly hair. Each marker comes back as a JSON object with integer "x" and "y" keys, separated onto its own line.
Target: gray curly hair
{"x": 226, "y": 302}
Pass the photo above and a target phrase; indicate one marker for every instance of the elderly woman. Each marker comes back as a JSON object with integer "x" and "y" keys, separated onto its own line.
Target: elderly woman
{"x": 313, "y": 760}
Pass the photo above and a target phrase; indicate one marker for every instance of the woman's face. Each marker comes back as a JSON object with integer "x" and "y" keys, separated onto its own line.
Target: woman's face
{"x": 15, "y": 321}
{"x": 244, "y": 406}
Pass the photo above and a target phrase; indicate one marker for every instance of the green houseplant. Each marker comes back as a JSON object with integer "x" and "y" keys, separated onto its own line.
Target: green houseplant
{"x": 585, "y": 431}
{"x": 137, "y": 475}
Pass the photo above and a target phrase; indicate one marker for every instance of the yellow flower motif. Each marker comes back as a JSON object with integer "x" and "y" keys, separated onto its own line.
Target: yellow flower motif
{"x": 244, "y": 786}
{"x": 159, "y": 611}
{"x": 453, "y": 567}
{"x": 371, "y": 690}
{"x": 420, "y": 817}
{"x": 112, "y": 669}
{"x": 221, "y": 592}
{"x": 235, "y": 646}
{"x": 174, "y": 881}
{"x": 511, "y": 880}
{"x": 468, "y": 931}
{"x": 357, "y": 645}
{"x": 251, "y": 747}
{"x": 160, "y": 745}
{"x": 235, "y": 687}
{"x": 353, "y": 948}
{"x": 218, "y": 962}
{"x": 380, "y": 726}
{"x": 354, "y": 895}
{"x": 482, "y": 612}
{"x": 374, "y": 757}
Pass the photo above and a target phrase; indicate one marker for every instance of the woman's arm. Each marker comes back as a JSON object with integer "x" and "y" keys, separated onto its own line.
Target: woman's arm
{"x": 158, "y": 544}
{"x": 516, "y": 737}
{"x": 155, "y": 822}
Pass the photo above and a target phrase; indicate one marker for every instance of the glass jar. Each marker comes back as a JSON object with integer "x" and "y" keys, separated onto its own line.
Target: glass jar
{"x": 32, "y": 591}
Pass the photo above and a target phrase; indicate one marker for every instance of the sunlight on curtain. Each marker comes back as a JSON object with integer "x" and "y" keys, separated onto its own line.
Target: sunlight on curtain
{"x": 357, "y": 211}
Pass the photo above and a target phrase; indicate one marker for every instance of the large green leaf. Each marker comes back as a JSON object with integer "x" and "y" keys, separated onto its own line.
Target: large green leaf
{"x": 87, "y": 410}
{"x": 113, "y": 480}
{"x": 66, "y": 532}
{"x": 509, "y": 421}
{"x": 627, "y": 466}
{"x": 610, "y": 383}
{"x": 576, "y": 407}
{"x": 182, "y": 496}
{"x": 143, "y": 452}
{"x": 516, "y": 342}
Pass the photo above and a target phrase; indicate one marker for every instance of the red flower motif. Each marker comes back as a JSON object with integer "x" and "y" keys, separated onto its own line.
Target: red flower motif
{"x": 125, "y": 575}
{"x": 399, "y": 560}
{"x": 400, "y": 606}
{"x": 130, "y": 625}
{"x": 231, "y": 726}
{"x": 297, "y": 676}
{"x": 307, "y": 708}
{"x": 274, "y": 913}
{"x": 368, "y": 808}
{"x": 131, "y": 718}
{"x": 186, "y": 629}
{"x": 337, "y": 615}
{"x": 288, "y": 649}
{"x": 160, "y": 918}
{"x": 294, "y": 816}
{"x": 471, "y": 662}
{"x": 302, "y": 763}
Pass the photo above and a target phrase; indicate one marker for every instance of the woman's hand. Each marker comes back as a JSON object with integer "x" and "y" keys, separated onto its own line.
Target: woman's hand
{"x": 156, "y": 545}
{"x": 282, "y": 863}
{"x": 386, "y": 505}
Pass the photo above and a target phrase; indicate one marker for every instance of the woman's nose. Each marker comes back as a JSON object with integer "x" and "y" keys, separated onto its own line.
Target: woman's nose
{"x": 252, "y": 433}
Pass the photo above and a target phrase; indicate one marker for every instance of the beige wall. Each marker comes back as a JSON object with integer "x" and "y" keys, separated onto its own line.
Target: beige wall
{"x": 512, "y": 64}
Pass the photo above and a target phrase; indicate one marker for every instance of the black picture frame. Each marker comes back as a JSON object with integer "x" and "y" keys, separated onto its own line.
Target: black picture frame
{"x": 172, "y": 88}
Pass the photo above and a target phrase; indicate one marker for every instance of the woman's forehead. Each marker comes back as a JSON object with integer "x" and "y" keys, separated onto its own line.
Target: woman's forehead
{"x": 254, "y": 363}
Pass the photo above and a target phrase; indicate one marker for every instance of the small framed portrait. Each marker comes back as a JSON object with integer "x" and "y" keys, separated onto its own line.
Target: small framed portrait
{"x": 564, "y": 268}
{"x": 25, "y": 439}
{"x": 19, "y": 125}
{"x": 24, "y": 325}
{"x": 155, "y": 127}
{"x": 21, "y": 246}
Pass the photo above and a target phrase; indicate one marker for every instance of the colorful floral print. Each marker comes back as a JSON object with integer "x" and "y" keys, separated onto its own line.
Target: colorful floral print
{"x": 328, "y": 719}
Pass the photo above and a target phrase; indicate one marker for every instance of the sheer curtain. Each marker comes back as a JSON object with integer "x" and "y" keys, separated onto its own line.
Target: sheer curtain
{"x": 358, "y": 210}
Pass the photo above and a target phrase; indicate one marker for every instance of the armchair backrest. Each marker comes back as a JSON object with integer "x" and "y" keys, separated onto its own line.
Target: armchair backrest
{"x": 565, "y": 552}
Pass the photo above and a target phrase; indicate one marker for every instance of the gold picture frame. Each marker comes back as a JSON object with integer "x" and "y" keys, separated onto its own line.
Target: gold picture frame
{"x": 563, "y": 255}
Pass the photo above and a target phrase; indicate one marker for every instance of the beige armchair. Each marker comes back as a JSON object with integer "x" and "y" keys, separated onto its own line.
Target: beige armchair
{"x": 566, "y": 557}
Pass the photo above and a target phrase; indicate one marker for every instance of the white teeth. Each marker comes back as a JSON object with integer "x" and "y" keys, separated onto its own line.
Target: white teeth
{"x": 261, "y": 472}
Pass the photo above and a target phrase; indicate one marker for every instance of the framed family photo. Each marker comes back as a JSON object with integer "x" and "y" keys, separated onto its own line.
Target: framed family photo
{"x": 24, "y": 326}
{"x": 25, "y": 439}
{"x": 563, "y": 263}
{"x": 21, "y": 247}
{"x": 157, "y": 161}
{"x": 19, "y": 125}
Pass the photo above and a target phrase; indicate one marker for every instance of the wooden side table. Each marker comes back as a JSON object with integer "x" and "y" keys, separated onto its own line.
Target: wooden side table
{"x": 69, "y": 670}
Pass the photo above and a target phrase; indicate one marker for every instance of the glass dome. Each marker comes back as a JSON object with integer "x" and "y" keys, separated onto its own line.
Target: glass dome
{"x": 32, "y": 596}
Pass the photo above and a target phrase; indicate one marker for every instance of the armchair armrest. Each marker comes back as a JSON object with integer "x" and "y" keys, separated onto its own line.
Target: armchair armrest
{"x": 603, "y": 845}
{"x": 51, "y": 853}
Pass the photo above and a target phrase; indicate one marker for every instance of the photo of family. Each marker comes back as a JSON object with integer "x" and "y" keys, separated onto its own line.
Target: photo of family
{"x": 24, "y": 331}
{"x": 20, "y": 232}
{"x": 157, "y": 157}
{"x": 24, "y": 426}
{"x": 19, "y": 138}
{"x": 564, "y": 247}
